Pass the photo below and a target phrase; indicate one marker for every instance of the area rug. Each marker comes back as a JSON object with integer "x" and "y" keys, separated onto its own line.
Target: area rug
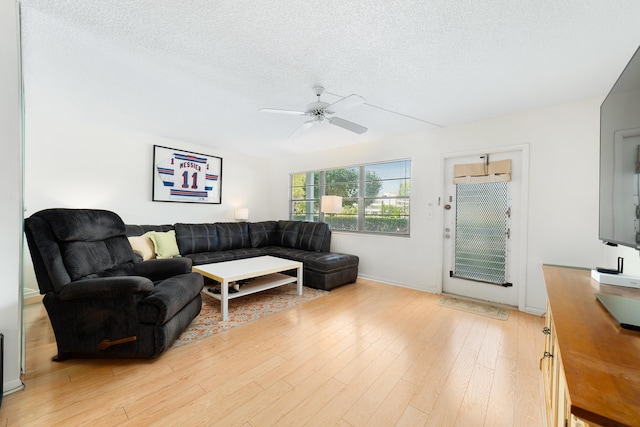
{"x": 474, "y": 307}
{"x": 244, "y": 310}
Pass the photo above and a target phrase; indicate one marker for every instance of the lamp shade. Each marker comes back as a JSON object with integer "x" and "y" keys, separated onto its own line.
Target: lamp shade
{"x": 241, "y": 214}
{"x": 331, "y": 204}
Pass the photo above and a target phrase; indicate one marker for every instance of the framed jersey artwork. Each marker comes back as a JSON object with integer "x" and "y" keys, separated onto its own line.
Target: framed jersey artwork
{"x": 183, "y": 176}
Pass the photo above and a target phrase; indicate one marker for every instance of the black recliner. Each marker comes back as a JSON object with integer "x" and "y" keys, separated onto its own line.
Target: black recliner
{"x": 102, "y": 301}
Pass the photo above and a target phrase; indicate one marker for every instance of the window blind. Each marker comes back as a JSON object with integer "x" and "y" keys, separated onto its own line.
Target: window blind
{"x": 481, "y": 173}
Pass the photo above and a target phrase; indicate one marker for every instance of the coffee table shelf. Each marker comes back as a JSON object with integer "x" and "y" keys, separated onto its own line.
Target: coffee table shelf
{"x": 258, "y": 284}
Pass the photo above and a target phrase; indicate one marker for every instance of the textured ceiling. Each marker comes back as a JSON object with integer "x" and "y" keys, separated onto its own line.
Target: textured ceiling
{"x": 200, "y": 70}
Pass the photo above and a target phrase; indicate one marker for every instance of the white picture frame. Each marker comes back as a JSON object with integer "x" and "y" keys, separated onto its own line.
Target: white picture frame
{"x": 186, "y": 177}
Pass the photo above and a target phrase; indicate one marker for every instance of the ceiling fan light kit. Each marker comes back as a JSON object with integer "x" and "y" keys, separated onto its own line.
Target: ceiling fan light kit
{"x": 319, "y": 111}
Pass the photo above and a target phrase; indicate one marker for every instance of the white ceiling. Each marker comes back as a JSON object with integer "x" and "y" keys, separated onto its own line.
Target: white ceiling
{"x": 199, "y": 70}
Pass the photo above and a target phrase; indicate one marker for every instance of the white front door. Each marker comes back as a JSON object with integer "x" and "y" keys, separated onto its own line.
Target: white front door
{"x": 477, "y": 285}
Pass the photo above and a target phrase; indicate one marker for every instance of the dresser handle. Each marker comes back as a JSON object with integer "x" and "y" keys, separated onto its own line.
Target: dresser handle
{"x": 546, "y": 330}
{"x": 545, "y": 355}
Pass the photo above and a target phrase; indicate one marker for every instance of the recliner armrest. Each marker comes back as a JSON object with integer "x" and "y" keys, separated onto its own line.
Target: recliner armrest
{"x": 169, "y": 297}
{"x": 160, "y": 269}
{"x": 106, "y": 287}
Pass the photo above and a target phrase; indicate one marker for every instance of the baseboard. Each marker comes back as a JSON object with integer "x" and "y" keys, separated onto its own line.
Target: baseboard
{"x": 29, "y": 293}
{"x": 399, "y": 284}
{"x": 12, "y": 386}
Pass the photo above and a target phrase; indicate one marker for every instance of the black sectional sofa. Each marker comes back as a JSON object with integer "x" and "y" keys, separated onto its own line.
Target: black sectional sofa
{"x": 307, "y": 242}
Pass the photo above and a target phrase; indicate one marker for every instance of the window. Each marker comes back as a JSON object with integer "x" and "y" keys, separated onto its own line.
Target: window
{"x": 375, "y": 197}
{"x": 305, "y": 196}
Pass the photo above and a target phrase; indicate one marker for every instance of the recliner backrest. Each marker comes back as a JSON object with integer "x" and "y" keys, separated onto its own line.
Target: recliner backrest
{"x": 71, "y": 244}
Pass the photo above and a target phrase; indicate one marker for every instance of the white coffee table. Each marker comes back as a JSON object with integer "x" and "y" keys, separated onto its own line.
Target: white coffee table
{"x": 265, "y": 272}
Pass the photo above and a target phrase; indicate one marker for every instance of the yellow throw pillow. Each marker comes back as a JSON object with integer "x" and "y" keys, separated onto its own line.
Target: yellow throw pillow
{"x": 143, "y": 246}
{"x": 164, "y": 243}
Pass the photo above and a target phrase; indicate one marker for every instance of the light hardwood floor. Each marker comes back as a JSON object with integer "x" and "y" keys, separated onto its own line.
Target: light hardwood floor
{"x": 366, "y": 354}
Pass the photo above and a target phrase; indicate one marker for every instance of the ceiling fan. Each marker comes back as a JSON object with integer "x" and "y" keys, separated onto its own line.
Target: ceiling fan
{"x": 320, "y": 111}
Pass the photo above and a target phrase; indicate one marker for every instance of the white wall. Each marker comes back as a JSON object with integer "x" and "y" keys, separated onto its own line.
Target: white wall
{"x": 69, "y": 163}
{"x": 11, "y": 206}
{"x": 563, "y": 194}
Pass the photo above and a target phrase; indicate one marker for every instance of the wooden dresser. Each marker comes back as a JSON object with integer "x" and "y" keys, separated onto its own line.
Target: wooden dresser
{"x": 591, "y": 366}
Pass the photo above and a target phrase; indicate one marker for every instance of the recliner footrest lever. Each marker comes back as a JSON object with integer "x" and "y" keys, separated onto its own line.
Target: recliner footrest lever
{"x": 104, "y": 344}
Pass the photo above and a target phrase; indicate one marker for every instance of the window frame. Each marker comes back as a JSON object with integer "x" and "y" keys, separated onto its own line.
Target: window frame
{"x": 361, "y": 197}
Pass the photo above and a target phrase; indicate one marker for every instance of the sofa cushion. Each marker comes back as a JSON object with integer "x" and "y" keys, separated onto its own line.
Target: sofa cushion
{"x": 143, "y": 246}
{"x": 233, "y": 235}
{"x": 197, "y": 238}
{"x": 287, "y": 234}
{"x": 107, "y": 257}
{"x": 164, "y": 243}
{"x": 247, "y": 253}
{"x": 139, "y": 230}
{"x": 263, "y": 233}
{"x": 211, "y": 257}
{"x": 318, "y": 261}
{"x": 312, "y": 236}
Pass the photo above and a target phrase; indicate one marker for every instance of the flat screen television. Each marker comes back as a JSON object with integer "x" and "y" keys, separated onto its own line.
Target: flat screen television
{"x": 620, "y": 159}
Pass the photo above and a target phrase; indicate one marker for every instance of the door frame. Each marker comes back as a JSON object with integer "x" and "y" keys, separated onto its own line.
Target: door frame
{"x": 524, "y": 206}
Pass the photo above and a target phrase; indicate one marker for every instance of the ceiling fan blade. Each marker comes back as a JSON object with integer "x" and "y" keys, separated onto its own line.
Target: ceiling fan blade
{"x": 306, "y": 125}
{"x": 346, "y": 124}
{"x": 345, "y": 103}
{"x": 275, "y": 110}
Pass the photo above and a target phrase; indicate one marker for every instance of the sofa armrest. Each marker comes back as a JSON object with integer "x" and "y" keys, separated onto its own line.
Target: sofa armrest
{"x": 160, "y": 269}
{"x": 105, "y": 287}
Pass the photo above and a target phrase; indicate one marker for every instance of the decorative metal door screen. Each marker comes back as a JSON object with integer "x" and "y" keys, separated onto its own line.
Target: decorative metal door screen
{"x": 482, "y": 232}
